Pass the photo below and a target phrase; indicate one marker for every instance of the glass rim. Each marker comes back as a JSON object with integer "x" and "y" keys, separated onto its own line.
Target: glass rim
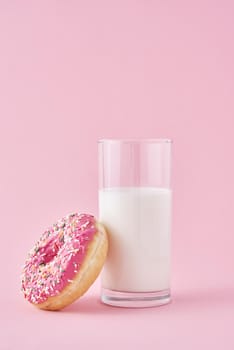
{"x": 136, "y": 140}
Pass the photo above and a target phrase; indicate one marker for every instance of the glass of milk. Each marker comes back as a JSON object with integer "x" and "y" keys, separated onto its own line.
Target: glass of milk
{"x": 135, "y": 207}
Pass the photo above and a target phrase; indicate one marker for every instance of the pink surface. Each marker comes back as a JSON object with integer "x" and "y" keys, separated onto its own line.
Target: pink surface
{"x": 75, "y": 71}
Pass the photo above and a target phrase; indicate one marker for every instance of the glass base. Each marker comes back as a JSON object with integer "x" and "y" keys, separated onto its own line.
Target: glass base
{"x": 135, "y": 299}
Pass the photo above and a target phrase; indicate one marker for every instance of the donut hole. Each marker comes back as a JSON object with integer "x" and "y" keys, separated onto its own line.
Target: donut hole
{"x": 50, "y": 251}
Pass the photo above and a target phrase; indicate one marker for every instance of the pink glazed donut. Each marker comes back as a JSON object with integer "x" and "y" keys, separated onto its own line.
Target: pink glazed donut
{"x": 64, "y": 262}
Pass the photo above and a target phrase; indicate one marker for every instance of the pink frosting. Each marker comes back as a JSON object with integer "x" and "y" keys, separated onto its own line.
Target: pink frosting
{"x": 57, "y": 256}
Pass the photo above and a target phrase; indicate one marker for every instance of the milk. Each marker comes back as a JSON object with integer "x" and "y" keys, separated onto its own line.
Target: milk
{"x": 138, "y": 223}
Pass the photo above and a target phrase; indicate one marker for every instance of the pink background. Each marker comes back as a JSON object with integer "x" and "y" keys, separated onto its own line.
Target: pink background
{"x": 72, "y": 72}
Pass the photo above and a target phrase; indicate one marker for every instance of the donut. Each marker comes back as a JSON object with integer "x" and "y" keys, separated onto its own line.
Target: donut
{"x": 64, "y": 262}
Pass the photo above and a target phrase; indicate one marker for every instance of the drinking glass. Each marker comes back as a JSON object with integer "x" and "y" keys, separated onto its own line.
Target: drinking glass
{"x": 135, "y": 207}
